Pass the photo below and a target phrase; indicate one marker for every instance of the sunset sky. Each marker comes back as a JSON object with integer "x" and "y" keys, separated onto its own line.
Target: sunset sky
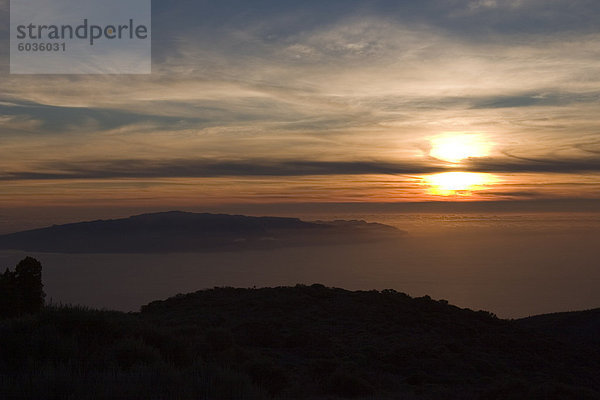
{"x": 319, "y": 101}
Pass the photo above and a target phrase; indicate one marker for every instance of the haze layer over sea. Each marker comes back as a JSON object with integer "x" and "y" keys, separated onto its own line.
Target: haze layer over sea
{"x": 514, "y": 265}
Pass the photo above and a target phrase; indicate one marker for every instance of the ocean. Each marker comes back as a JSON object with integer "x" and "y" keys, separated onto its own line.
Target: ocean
{"x": 513, "y": 265}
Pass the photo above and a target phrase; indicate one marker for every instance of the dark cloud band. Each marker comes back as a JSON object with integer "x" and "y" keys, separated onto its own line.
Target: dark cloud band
{"x": 186, "y": 168}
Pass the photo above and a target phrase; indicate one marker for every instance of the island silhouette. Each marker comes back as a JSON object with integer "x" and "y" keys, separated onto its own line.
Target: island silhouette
{"x": 178, "y": 231}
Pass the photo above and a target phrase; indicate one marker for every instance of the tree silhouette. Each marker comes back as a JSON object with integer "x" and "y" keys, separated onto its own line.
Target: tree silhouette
{"x": 21, "y": 290}
{"x": 8, "y": 294}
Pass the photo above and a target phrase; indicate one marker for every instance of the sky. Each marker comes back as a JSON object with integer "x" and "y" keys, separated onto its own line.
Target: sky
{"x": 261, "y": 102}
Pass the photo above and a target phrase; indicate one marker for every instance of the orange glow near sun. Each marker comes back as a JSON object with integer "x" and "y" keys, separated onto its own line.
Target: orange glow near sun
{"x": 458, "y": 183}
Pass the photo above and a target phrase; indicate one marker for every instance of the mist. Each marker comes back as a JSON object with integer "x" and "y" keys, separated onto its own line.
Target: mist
{"x": 514, "y": 266}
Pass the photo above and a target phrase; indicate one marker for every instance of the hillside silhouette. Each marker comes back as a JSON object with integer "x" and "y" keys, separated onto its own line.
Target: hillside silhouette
{"x": 178, "y": 231}
{"x": 302, "y": 342}
{"x": 578, "y": 326}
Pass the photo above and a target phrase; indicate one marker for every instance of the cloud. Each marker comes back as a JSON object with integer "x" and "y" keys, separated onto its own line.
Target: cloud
{"x": 210, "y": 168}
{"x": 593, "y": 147}
{"x": 237, "y": 88}
{"x": 518, "y": 194}
{"x": 544, "y": 98}
{"x": 523, "y": 165}
{"x": 55, "y": 119}
{"x": 207, "y": 168}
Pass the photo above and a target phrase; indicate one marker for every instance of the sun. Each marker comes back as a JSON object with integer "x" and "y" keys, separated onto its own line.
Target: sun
{"x": 454, "y": 147}
{"x": 458, "y": 183}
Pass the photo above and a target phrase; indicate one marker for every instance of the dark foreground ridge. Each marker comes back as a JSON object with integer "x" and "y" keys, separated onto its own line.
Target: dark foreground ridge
{"x": 178, "y": 231}
{"x": 302, "y": 342}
